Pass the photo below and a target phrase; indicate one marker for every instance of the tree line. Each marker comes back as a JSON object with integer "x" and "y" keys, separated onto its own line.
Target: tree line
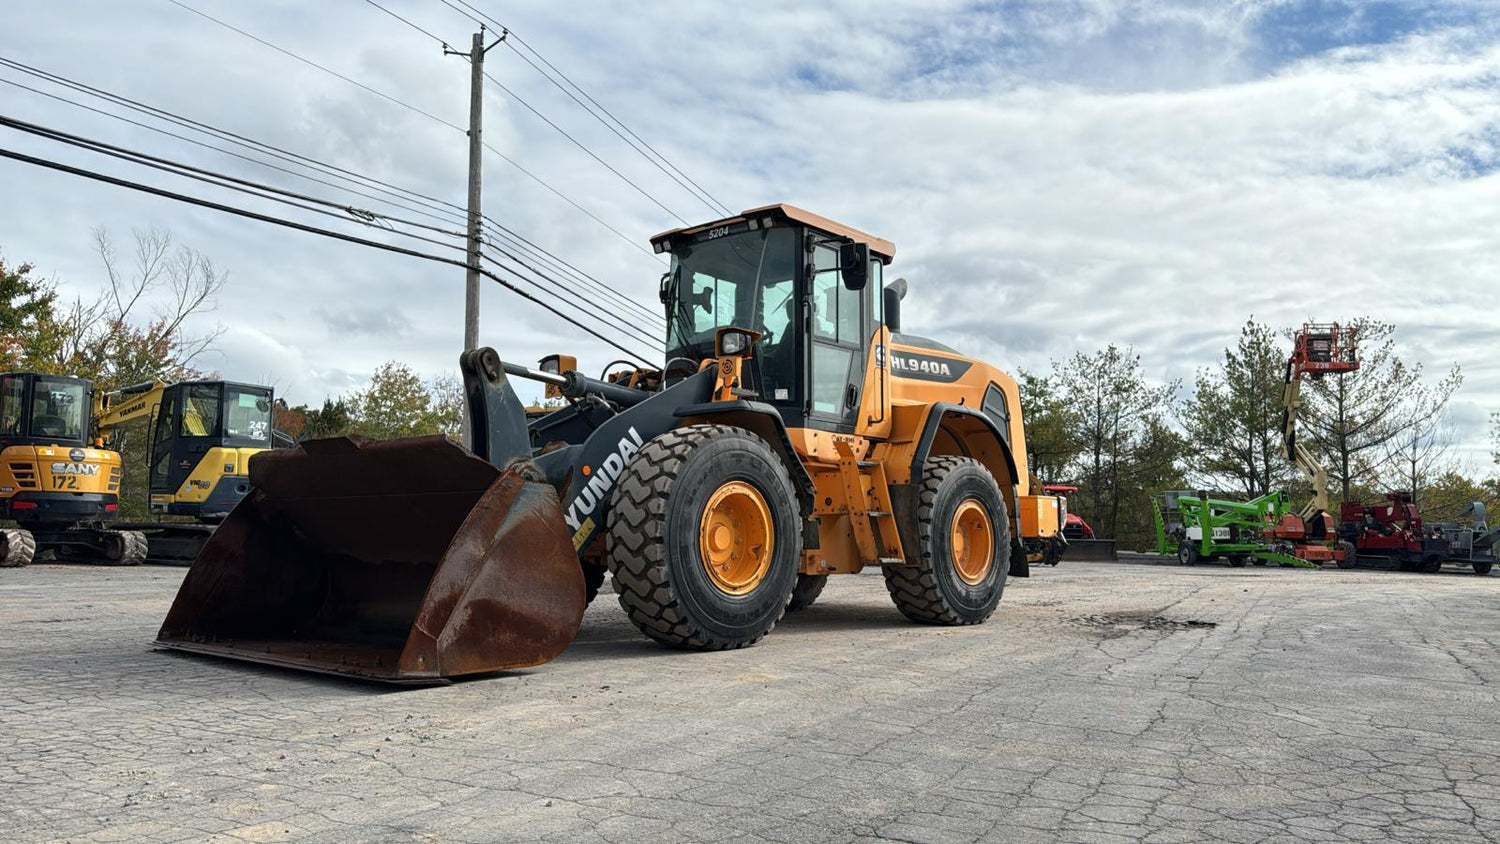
{"x": 137, "y": 330}
{"x": 1096, "y": 421}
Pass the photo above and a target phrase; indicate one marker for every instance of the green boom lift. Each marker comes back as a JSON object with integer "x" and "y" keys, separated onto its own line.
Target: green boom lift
{"x": 1195, "y": 527}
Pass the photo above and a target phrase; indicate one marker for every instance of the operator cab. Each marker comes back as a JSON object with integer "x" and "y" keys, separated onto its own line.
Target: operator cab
{"x": 809, "y": 286}
{"x": 198, "y": 416}
{"x": 40, "y": 409}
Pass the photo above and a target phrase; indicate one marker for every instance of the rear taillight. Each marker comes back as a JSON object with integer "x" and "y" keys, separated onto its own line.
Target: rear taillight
{"x": 110, "y": 508}
{"x": 23, "y": 505}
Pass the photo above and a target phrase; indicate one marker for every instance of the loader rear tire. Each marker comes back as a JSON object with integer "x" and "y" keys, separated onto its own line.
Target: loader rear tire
{"x": 1483, "y": 567}
{"x": 807, "y": 590}
{"x": 17, "y": 548}
{"x": 662, "y": 528}
{"x": 960, "y": 516}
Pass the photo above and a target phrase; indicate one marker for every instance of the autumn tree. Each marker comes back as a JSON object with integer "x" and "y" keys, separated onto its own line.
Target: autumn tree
{"x": 1421, "y": 453}
{"x": 1353, "y": 419}
{"x": 334, "y": 419}
{"x": 136, "y": 329}
{"x": 1495, "y": 437}
{"x": 1118, "y": 418}
{"x": 1233, "y": 420}
{"x": 26, "y": 304}
{"x": 1050, "y": 425}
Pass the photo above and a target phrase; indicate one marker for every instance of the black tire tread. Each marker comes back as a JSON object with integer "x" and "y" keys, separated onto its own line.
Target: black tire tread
{"x": 135, "y": 547}
{"x": 20, "y": 549}
{"x": 637, "y": 523}
{"x": 913, "y": 588}
{"x": 807, "y": 590}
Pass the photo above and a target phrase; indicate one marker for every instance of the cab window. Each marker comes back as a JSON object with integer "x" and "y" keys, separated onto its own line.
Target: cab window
{"x": 12, "y": 406}
{"x": 200, "y": 411}
{"x": 57, "y": 410}
{"x": 247, "y": 414}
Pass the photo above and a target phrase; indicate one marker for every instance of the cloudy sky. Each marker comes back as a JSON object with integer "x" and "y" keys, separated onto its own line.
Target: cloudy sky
{"x": 1057, "y": 175}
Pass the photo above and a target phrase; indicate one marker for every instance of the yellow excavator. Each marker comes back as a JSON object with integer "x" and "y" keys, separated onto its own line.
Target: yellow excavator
{"x": 57, "y": 483}
{"x": 795, "y": 432}
{"x": 202, "y": 436}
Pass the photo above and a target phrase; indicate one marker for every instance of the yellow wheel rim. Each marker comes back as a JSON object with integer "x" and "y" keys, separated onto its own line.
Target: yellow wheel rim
{"x": 973, "y": 542}
{"x": 736, "y": 538}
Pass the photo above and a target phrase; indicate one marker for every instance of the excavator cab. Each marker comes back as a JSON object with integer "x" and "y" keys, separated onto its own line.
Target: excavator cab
{"x": 202, "y": 439}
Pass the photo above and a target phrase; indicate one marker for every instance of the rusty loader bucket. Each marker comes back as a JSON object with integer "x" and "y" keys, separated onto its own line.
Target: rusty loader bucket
{"x": 405, "y": 561}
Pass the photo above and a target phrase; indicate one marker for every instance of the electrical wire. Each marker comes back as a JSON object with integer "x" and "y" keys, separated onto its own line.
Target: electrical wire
{"x": 297, "y": 200}
{"x": 590, "y": 153}
{"x": 265, "y": 218}
{"x": 408, "y": 198}
{"x": 395, "y": 195}
{"x": 692, "y": 187}
{"x": 544, "y": 118}
{"x": 410, "y": 24}
{"x": 697, "y": 190}
{"x": 561, "y": 266}
{"x": 413, "y": 108}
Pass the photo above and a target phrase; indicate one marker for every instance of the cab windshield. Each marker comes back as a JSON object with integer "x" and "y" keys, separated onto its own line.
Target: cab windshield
{"x": 57, "y": 410}
{"x": 248, "y": 414}
{"x": 745, "y": 280}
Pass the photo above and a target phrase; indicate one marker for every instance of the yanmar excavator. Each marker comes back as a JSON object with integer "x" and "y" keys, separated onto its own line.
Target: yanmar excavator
{"x": 203, "y": 434}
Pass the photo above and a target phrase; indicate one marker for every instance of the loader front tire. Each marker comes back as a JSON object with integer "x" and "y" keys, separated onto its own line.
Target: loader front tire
{"x": 17, "y": 548}
{"x": 807, "y": 590}
{"x": 964, "y": 546}
{"x": 705, "y": 538}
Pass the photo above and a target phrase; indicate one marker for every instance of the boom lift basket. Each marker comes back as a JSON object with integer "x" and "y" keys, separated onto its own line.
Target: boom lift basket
{"x": 405, "y": 561}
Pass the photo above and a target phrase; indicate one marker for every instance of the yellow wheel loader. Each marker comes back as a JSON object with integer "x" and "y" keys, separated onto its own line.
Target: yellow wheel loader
{"x": 202, "y": 436}
{"x": 794, "y": 432}
{"x": 60, "y": 489}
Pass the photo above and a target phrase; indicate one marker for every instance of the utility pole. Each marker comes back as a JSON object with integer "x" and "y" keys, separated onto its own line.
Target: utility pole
{"x": 477, "y": 49}
{"x": 475, "y": 55}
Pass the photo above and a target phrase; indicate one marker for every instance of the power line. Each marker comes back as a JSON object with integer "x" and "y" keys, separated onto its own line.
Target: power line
{"x": 692, "y": 187}
{"x": 559, "y": 265}
{"x": 409, "y": 23}
{"x": 571, "y": 297}
{"x": 698, "y": 191}
{"x": 529, "y": 107}
{"x": 419, "y": 203}
{"x": 430, "y": 116}
{"x": 265, "y": 218}
{"x": 606, "y": 165}
{"x": 311, "y": 63}
{"x": 350, "y": 209}
{"x": 275, "y": 194}
{"x": 218, "y": 133}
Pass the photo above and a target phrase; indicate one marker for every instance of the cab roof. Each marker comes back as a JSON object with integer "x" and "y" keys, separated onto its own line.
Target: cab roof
{"x": 878, "y": 245}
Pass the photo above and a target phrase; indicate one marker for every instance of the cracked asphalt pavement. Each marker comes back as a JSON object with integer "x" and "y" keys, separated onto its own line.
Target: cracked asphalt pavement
{"x": 1103, "y": 702}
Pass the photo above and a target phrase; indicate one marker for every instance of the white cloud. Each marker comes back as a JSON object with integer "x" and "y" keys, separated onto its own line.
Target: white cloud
{"x": 1093, "y": 172}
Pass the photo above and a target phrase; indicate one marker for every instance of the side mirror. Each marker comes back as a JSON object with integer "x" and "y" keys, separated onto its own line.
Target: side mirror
{"x": 664, "y": 291}
{"x": 854, "y": 265}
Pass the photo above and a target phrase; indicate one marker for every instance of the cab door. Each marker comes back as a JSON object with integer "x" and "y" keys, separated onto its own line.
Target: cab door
{"x": 838, "y": 327}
